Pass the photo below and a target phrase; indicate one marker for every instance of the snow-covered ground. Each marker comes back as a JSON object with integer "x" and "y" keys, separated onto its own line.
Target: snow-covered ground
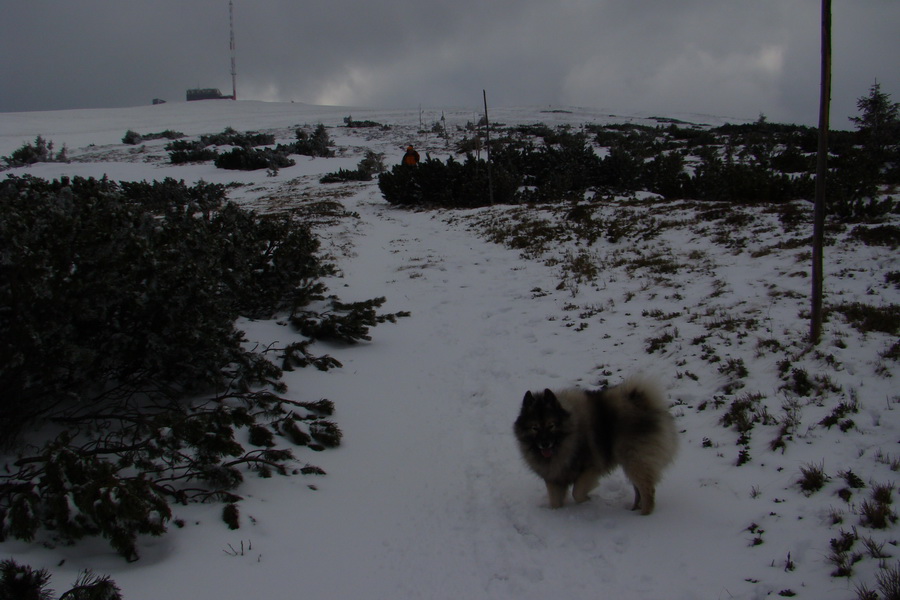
{"x": 427, "y": 496}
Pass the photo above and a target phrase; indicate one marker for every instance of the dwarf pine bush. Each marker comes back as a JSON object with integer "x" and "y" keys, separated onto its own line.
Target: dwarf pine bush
{"x": 133, "y": 137}
{"x": 372, "y": 164}
{"x": 230, "y": 137}
{"x": 316, "y": 144}
{"x": 185, "y": 151}
{"x": 245, "y": 155}
{"x": 252, "y": 159}
{"x": 40, "y": 151}
{"x": 451, "y": 184}
{"x": 21, "y": 582}
{"x": 732, "y": 164}
{"x": 117, "y": 303}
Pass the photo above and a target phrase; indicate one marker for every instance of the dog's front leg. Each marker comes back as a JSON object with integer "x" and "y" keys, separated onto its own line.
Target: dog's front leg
{"x": 584, "y": 484}
{"x": 556, "y": 494}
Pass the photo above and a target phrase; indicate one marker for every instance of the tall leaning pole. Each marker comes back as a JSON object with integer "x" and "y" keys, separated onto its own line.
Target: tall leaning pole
{"x": 816, "y": 312}
{"x": 487, "y": 135}
{"x": 233, "y": 68}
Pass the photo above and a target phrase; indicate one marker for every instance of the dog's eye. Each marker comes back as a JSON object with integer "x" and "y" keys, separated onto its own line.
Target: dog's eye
{"x": 535, "y": 428}
{"x": 551, "y": 425}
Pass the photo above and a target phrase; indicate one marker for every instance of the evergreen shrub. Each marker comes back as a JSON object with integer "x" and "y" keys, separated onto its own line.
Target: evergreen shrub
{"x": 451, "y": 184}
{"x": 251, "y": 159}
{"x": 230, "y": 137}
{"x": 316, "y": 144}
{"x": 346, "y": 175}
{"x": 21, "y": 582}
{"x": 118, "y": 311}
{"x": 185, "y": 151}
{"x": 133, "y": 137}
{"x": 40, "y": 151}
{"x": 350, "y": 122}
{"x": 370, "y": 165}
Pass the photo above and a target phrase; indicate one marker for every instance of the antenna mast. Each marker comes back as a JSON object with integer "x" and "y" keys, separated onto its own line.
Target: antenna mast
{"x": 233, "y": 69}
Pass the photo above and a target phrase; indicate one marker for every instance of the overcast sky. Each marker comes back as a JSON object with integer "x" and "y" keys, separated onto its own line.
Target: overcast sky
{"x": 733, "y": 58}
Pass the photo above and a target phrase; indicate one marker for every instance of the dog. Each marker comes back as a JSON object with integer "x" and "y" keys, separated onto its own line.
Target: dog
{"x": 574, "y": 437}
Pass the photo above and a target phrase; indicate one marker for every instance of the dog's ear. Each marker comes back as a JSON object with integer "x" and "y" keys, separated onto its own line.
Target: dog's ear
{"x": 552, "y": 404}
{"x": 528, "y": 400}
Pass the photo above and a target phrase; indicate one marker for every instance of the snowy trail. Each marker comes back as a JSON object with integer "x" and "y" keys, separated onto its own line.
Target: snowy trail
{"x": 450, "y": 509}
{"x": 428, "y": 484}
{"x": 441, "y": 398}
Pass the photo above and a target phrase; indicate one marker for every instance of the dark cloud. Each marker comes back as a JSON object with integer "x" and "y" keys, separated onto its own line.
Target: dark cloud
{"x": 724, "y": 57}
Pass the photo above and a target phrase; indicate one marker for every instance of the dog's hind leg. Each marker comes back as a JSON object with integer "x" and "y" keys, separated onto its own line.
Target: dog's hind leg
{"x": 644, "y": 492}
{"x": 637, "y": 499}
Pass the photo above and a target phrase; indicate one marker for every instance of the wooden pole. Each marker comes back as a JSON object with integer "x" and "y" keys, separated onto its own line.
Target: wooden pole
{"x": 233, "y": 69}
{"x": 487, "y": 129}
{"x": 816, "y": 316}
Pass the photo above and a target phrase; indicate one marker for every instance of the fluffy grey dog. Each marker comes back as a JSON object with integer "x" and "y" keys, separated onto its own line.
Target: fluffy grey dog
{"x": 574, "y": 437}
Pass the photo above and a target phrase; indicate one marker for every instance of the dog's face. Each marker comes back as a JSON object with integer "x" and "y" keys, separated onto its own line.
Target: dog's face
{"x": 542, "y": 424}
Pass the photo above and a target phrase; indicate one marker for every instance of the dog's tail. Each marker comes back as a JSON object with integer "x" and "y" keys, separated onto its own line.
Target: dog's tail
{"x": 643, "y": 392}
{"x": 644, "y": 395}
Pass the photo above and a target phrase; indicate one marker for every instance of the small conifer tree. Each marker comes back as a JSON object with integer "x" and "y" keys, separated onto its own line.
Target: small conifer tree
{"x": 879, "y": 123}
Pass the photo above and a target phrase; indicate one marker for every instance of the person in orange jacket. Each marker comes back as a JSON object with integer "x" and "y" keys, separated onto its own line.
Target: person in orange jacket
{"x": 411, "y": 157}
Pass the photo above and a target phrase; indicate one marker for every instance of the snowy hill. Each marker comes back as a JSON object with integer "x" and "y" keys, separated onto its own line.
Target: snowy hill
{"x": 427, "y": 496}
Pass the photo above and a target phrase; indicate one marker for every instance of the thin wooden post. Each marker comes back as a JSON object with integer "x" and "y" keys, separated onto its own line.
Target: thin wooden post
{"x": 816, "y": 316}
{"x": 487, "y": 129}
{"x": 233, "y": 69}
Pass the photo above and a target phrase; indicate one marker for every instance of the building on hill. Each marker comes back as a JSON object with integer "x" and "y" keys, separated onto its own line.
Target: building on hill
{"x": 206, "y": 94}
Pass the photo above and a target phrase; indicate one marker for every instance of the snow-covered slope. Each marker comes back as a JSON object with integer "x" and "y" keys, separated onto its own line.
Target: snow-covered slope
{"x": 427, "y": 496}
